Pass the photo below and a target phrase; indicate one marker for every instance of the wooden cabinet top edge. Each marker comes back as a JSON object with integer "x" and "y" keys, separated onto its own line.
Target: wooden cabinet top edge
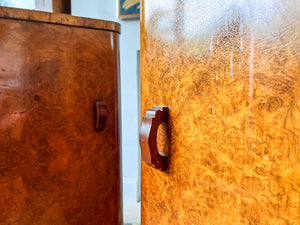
{"x": 57, "y": 18}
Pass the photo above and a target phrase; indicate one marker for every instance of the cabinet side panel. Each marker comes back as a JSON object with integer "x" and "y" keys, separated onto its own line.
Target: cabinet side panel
{"x": 54, "y": 167}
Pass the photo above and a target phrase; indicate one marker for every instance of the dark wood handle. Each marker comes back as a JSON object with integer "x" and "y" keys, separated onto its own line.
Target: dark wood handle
{"x": 148, "y": 137}
{"x": 61, "y": 6}
{"x": 101, "y": 115}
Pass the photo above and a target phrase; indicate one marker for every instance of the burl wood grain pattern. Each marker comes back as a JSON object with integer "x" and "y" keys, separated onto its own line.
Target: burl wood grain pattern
{"x": 55, "y": 168}
{"x": 232, "y": 85}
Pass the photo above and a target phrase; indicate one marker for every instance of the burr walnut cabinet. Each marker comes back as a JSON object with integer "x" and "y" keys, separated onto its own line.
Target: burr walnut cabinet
{"x": 224, "y": 77}
{"x": 59, "y": 120}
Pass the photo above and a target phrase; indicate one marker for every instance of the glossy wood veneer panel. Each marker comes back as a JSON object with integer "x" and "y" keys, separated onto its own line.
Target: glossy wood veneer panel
{"x": 234, "y": 116}
{"x": 54, "y": 167}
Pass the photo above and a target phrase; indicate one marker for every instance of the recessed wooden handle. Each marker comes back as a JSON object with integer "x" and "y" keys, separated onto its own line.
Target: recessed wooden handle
{"x": 101, "y": 115}
{"x": 148, "y": 137}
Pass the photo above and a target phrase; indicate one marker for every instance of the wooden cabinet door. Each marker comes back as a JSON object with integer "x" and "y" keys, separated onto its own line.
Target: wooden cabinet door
{"x": 55, "y": 167}
{"x": 229, "y": 72}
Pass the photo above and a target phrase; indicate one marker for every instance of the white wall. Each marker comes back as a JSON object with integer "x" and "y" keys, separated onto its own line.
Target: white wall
{"x": 42, "y": 5}
{"x": 129, "y": 45}
{"x": 25, "y": 4}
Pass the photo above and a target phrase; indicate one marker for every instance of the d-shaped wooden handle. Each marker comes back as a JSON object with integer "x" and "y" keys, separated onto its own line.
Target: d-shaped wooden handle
{"x": 101, "y": 115}
{"x": 148, "y": 137}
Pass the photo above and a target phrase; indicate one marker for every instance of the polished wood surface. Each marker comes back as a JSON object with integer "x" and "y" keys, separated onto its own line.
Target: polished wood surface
{"x": 61, "y": 6}
{"x": 55, "y": 168}
{"x": 232, "y": 85}
{"x": 58, "y": 18}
